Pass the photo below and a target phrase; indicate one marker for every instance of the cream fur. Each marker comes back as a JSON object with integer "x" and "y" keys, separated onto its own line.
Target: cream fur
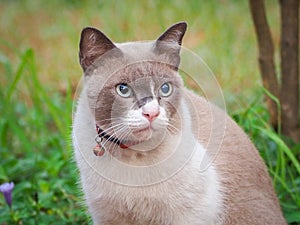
{"x": 190, "y": 196}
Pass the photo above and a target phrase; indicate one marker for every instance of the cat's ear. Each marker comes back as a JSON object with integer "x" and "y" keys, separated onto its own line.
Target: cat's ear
{"x": 174, "y": 34}
{"x": 93, "y": 44}
{"x": 169, "y": 43}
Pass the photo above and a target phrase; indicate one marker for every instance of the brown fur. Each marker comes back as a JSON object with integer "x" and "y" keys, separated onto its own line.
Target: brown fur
{"x": 248, "y": 189}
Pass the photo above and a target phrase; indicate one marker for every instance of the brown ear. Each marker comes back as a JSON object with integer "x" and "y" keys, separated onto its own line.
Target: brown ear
{"x": 174, "y": 34}
{"x": 93, "y": 44}
{"x": 169, "y": 44}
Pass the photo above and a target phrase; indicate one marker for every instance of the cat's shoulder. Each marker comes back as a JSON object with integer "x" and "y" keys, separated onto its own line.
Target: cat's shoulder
{"x": 210, "y": 122}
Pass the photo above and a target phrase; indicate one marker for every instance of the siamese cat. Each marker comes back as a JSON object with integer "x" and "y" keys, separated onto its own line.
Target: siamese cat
{"x": 151, "y": 152}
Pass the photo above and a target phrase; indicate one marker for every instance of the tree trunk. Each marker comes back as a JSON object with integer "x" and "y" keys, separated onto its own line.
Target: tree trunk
{"x": 289, "y": 94}
{"x": 266, "y": 56}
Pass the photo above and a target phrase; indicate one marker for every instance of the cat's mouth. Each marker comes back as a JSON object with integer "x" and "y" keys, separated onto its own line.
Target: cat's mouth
{"x": 142, "y": 135}
{"x": 145, "y": 129}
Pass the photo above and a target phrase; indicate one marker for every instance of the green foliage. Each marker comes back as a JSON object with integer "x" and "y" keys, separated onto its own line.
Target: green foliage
{"x": 34, "y": 149}
{"x": 281, "y": 159}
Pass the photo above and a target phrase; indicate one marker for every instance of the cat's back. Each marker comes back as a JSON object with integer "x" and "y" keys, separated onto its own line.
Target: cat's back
{"x": 249, "y": 195}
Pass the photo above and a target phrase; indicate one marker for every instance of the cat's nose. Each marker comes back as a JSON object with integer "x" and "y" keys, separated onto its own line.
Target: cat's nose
{"x": 151, "y": 110}
{"x": 151, "y": 115}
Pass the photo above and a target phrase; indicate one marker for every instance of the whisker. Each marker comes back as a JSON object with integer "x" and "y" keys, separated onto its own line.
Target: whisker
{"x": 114, "y": 129}
{"x": 172, "y": 128}
{"x": 126, "y": 134}
{"x": 108, "y": 119}
{"x": 173, "y": 120}
{"x": 110, "y": 124}
{"x": 107, "y": 122}
{"x": 172, "y": 125}
{"x": 119, "y": 129}
{"x": 110, "y": 129}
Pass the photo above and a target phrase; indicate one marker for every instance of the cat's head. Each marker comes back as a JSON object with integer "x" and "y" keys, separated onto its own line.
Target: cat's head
{"x": 133, "y": 89}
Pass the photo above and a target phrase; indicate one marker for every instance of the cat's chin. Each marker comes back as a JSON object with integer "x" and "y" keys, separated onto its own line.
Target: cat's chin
{"x": 147, "y": 129}
{"x": 147, "y": 138}
{"x": 143, "y": 134}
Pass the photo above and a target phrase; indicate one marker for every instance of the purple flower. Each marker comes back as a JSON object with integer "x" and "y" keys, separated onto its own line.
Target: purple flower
{"x": 6, "y": 190}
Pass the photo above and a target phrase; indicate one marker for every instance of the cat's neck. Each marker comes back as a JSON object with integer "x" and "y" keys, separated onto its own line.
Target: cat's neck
{"x": 170, "y": 156}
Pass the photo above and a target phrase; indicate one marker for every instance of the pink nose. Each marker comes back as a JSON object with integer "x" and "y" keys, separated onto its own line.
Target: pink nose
{"x": 151, "y": 115}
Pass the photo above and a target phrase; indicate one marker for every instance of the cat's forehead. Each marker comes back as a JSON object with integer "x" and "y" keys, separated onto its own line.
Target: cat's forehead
{"x": 134, "y": 52}
{"x": 138, "y": 64}
{"x": 145, "y": 72}
{"x": 139, "y": 50}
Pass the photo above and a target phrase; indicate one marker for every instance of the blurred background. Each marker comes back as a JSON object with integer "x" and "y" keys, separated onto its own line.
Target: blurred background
{"x": 40, "y": 71}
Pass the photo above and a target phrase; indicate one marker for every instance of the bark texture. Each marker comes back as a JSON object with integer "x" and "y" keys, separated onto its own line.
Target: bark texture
{"x": 289, "y": 94}
{"x": 266, "y": 56}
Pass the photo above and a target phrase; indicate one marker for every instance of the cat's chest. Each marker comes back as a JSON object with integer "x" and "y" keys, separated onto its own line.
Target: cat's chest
{"x": 154, "y": 204}
{"x": 163, "y": 202}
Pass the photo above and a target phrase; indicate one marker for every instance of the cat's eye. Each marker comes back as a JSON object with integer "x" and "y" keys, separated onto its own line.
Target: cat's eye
{"x": 166, "y": 90}
{"x": 124, "y": 90}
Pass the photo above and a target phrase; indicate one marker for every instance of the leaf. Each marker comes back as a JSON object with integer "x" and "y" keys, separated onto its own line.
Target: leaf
{"x": 18, "y": 74}
{"x": 292, "y": 217}
{"x": 3, "y": 175}
{"x": 283, "y": 147}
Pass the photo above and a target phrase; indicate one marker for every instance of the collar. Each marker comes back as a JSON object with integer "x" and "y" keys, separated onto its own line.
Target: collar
{"x": 102, "y": 134}
{"x": 99, "y": 149}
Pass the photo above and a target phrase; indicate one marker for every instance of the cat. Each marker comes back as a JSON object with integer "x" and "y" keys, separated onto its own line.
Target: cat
{"x": 150, "y": 151}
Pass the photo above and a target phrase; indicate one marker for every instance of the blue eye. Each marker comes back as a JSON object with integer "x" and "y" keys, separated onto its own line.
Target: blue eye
{"x": 166, "y": 89}
{"x": 124, "y": 90}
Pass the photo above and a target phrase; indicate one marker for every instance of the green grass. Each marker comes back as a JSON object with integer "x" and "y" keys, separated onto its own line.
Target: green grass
{"x": 281, "y": 160}
{"x": 39, "y": 72}
{"x": 35, "y": 149}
